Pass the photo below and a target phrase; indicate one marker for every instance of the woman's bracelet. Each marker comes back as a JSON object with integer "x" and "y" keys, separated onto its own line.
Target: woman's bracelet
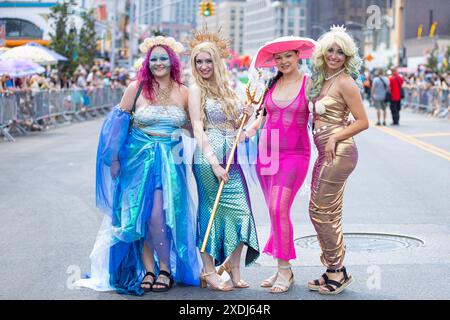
{"x": 246, "y": 135}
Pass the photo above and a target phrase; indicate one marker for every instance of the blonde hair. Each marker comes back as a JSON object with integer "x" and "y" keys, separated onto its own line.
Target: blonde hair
{"x": 218, "y": 87}
{"x": 352, "y": 62}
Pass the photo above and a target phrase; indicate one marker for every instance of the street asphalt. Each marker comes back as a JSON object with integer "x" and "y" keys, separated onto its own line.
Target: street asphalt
{"x": 396, "y": 218}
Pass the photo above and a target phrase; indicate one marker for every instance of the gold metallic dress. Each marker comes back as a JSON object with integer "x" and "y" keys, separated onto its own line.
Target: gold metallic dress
{"x": 329, "y": 180}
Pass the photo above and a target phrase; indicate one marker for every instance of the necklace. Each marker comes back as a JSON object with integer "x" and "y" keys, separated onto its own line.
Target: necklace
{"x": 163, "y": 95}
{"x": 334, "y": 75}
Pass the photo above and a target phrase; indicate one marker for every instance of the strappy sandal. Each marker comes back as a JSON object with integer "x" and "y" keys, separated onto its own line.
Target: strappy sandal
{"x": 316, "y": 285}
{"x": 227, "y": 267}
{"x": 223, "y": 286}
{"x": 166, "y": 286}
{"x": 269, "y": 281}
{"x": 282, "y": 283}
{"x": 148, "y": 289}
{"x": 335, "y": 287}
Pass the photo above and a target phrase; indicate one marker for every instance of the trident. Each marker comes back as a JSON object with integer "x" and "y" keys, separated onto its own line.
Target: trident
{"x": 251, "y": 97}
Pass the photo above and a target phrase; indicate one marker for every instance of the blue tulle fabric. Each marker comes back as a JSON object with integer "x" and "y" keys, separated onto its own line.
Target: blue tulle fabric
{"x": 147, "y": 163}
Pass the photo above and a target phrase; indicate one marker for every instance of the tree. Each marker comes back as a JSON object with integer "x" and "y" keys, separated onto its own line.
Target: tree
{"x": 446, "y": 67}
{"x": 158, "y": 32}
{"x": 87, "y": 39}
{"x": 63, "y": 41}
{"x": 432, "y": 61}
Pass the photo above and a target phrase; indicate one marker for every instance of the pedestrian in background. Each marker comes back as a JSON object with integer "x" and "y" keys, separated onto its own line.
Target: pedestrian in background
{"x": 367, "y": 81}
{"x": 395, "y": 86}
{"x": 380, "y": 95}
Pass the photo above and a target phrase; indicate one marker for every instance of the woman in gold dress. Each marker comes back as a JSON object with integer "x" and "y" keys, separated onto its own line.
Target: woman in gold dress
{"x": 333, "y": 96}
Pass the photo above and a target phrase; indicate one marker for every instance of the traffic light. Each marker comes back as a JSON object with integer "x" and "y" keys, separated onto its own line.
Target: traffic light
{"x": 433, "y": 29}
{"x": 207, "y": 12}
{"x": 207, "y": 8}
{"x": 201, "y": 7}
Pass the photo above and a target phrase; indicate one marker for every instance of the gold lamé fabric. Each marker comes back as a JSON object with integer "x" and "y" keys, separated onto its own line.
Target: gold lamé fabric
{"x": 328, "y": 183}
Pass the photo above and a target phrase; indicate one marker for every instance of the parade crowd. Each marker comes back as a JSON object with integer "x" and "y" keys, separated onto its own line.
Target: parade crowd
{"x": 84, "y": 77}
{"x": 424, "y": 91}
{"x": 34, "y": 102}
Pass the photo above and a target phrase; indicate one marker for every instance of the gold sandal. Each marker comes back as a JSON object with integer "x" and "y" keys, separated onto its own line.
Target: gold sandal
{"x": 204, "y": 282}
{"x": 227, "y": 267}
{"x": 282, "y": 283}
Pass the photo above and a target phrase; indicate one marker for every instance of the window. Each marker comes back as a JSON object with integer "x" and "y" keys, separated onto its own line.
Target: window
{"x": 18, "y": 28}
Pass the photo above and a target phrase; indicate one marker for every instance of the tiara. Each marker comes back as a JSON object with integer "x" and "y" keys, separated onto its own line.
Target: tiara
{"x": 200, "y": 36}
{"x": 337, "y": 28}
{"x": 160, "y": 40}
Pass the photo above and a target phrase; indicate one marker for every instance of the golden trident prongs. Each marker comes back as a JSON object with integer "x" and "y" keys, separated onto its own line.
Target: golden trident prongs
{"x": 252, "y": 99}
{"x": 251, "y": 95}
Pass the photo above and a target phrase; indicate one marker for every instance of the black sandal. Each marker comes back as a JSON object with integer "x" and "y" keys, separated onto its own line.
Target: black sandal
{"x": 147, "y": 282}
{"x": 166, "y": 286}
{"x": 335, "y": 287}
{"x": 316, "y": 285}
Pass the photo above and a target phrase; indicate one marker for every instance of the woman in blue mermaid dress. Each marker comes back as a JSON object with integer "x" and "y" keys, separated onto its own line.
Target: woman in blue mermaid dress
{"x": 147, "y": 239}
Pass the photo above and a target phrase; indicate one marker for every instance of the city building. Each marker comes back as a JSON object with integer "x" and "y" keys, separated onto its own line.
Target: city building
{"x": 354, "y": 14}
{"x": 28, "y": 21}
{"x": 229, "y": 18}
{"x": 175, "y": 18}
{"x": 265, "y": 20}
{"x": 409, "y": 16}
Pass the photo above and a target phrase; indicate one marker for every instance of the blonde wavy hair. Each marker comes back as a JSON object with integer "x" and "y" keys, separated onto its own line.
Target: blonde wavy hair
{"x": 218, "y": 87}
{"x": 352, "y": 64}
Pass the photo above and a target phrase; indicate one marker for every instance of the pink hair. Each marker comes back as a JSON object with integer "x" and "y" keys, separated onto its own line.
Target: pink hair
{"x": 148, "y": 80}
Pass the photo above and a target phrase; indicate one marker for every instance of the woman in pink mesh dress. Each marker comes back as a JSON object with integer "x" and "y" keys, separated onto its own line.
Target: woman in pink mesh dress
{"x": 283, "y": 148}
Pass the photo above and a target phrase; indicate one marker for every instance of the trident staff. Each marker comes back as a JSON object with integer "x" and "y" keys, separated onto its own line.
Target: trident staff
{"x": 251, "y": 98}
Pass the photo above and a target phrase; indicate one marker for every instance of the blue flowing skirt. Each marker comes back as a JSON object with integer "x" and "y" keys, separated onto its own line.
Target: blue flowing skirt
{"x": 147, "y": 163}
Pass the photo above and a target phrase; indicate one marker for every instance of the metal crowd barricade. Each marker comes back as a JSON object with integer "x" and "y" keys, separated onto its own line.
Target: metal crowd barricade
{"x": 432, "y": 100}
{"x": 7, "y": 114}
{"x": 23, "y": 111}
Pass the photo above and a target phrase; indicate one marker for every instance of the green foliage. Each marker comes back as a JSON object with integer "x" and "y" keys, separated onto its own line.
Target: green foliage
{"x": 87, "y": 39}
{"x": 158, "y": 32}
{"x": 447, "y": 58}
{"x": 77, "y": 48}
{"x": 62, "y": 40}
{"x": 432, "y": 60}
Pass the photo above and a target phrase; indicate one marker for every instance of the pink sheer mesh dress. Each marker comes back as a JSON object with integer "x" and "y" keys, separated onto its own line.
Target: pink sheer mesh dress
{"x": 283, "y": 160}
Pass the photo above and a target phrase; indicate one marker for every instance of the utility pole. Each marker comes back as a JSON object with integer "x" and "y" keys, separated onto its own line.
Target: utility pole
{"x": 131, "y": 37}
{"x": 113, "y": 36}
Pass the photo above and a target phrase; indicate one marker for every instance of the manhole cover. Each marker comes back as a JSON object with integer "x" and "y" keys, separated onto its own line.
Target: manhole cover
{"x": 366, "y": 242}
